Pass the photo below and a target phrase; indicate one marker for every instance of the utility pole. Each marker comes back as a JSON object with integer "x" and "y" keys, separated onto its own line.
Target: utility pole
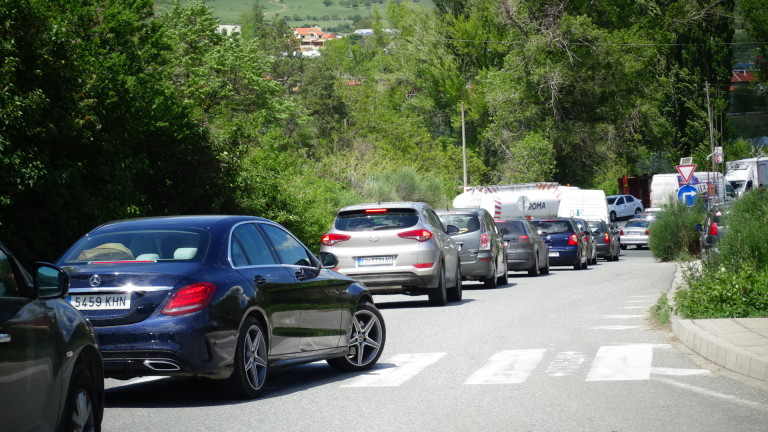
{"x": 463, "y": 146}
{"x": 711, "y": 139}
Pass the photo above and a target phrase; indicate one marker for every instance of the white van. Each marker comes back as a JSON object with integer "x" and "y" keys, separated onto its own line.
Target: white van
{"x": 587, "y": 204}
{"x": 664, "y": 187}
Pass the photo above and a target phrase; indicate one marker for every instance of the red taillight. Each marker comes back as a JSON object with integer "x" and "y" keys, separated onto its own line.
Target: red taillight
{"x": 424, "y": 265}
{"x": 525, "y": 239}
{"x": 190, "y": 298}
{"x": 606, "y": 238}
{"x": 420, "y": 235}
{"x": 713, "y": 229}
{"x": 485, "y": 242}
{"x": 621, "y": 232}
{"x": 376, "y": 210}
{"x": 647, "y": 232}
{"x": 332, "y": 239}
{"x": 573, "y": 240}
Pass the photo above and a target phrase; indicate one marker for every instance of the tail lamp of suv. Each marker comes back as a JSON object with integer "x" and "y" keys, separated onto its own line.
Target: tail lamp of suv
{"x": 419, "y": 235}
{"x": 713, "y": 229}
{"x": 332, "y": 239}
{"x": 190, "y": 298}
{"x": 606, "y": 238}
{"x": 573, "y": 240}
{"x": 485, "y": 242}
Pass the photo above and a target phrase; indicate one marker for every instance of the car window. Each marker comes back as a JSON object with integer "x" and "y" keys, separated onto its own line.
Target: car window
{"x": 465, "y": 222}
{"x": 553, "y": 226}
{"x": 140, "y": 246}
{"x": 249, "y": 247}
{"x": 8, "y": 285}
{"x": 376, "y": 219}
{"x": 611, "y": 200}
{"x": 288, "y": 249}
{"x": 629, "y": 199}
{"x": 638, "y": 223}
{"x": 513, "y": 227}
{"x": 620, "y": 201}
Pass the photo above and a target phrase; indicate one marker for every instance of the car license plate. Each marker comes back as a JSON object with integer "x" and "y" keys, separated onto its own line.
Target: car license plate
{"x": 100, "y": 301}
{"x": 554, "y": 254}
{"x": 375, "y": 261}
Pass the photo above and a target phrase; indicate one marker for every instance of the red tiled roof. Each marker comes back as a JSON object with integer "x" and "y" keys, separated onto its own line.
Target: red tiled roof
{"x": 739, "y": 76}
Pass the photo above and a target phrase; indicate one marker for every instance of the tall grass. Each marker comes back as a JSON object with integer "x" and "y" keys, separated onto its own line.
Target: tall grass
{"x": 673, "y": 235}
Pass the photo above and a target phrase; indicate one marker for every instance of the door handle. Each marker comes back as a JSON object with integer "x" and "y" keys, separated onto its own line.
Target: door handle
{"x": 4, "y": 337}
{"x": 259, "y": 280}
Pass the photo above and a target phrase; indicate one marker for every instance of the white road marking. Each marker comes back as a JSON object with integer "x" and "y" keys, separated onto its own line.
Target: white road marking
{"x": 715, "y": 394}
{"x": 622, "y": 316}
{"x": 678, "y": 372}
{"x": 566, "y": 363}
{"x": 622, "y": 363}
{"x": 617, "y": 327}
{"x": 406, "y": 367}
{"x": 634, "y": 307}
{"x": 507, "y": 367}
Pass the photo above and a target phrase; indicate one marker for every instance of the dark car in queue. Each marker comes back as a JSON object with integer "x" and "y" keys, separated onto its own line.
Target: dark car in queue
{"x": 51, "y": 375}
{"x": 481, "y": 248}
{"x": 589, "y": 239}
{"x": 566, "y": 242}
{"x": 526, "y": 249}
{"x": 223, "y": 297}
{"x": 606, "y": 240}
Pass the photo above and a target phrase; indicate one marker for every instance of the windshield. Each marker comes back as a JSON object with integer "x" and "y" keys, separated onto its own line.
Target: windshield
{"x": 138, "y": 246}
{"x": 553, "y": 226}
{"x": 376, "y": 219}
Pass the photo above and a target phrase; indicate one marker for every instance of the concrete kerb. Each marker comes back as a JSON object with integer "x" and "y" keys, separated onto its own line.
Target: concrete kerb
{"x": 713, "y": 342}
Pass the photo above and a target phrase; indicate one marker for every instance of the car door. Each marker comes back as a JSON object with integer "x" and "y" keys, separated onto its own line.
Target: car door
{"x": 620, "y": 206}
{"x": 445, "y": 243}
{"x": 29, "y": 354}
{"x": 252, "y": 257}
{"x": 320, "y": 292}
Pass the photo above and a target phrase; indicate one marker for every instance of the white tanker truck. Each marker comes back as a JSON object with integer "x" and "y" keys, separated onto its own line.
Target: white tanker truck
{"x": 536, "y": 200}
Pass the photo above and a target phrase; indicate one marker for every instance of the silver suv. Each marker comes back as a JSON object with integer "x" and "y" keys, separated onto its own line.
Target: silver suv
{"x": 396, "y": 248}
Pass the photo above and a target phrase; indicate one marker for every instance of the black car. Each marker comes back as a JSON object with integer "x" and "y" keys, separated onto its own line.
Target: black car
{"x": 51, "y": 375}
{"x": 526, "y": 249}
{"x": 606, "y": 240}
{"x": 222, "y": 297}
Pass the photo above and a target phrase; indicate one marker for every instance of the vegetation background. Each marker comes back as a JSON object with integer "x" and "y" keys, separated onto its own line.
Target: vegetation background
{"x": 112, "y": 110}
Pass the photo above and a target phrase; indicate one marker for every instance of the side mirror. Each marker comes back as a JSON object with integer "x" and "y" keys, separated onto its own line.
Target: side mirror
{"x": 50, "y": 281}
{"x": 328, "y": 260}
{"x": 452, "y": 229}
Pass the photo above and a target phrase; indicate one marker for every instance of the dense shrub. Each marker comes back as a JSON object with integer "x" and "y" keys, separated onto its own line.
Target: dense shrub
{"x": 722, "y": 292}
{"x": 673, "y": 234}
{"x": 747, "y": 238}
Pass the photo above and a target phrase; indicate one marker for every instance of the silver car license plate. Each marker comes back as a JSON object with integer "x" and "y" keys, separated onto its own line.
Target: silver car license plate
{"x": 100, "y": 301}
{"x": 375, "y": 261}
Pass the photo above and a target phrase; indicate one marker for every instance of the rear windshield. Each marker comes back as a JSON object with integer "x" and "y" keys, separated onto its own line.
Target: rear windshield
{"x": 597, "y": 226}
{"x": 376, "y": 219}
{"x": 638, "y": 223}
{"x": 553, "y": 226}
{"x": 511, "y": 227}
{"x": 139, "y": 246}
{"x": 466, "y": 223}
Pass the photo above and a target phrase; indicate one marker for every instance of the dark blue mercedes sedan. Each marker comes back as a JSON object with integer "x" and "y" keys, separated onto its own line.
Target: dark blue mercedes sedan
{"x": 222, "y": 297}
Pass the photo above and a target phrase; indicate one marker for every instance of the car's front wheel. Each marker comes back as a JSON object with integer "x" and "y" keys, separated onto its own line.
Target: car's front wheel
{"x": 251, "y": 360}
{"x": 366, "y": 341}
{"x": 80, "y": 410}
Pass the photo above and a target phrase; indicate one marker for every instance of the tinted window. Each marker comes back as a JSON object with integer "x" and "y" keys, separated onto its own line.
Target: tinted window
{"x": 630, "y": 199}
{"x": 637, "y": 223}
{"x": 611, "y": 200}
{"x": 554, "y": 226}
{"x": 513, "y": 227}
{"x": 620, "y": 201}
{"x": 249, "y": 247}
{"x": 376, "y": 219}
{"x": 288, "y": 249}
{"x": 143, "y": 245}
{"x": 8, "y": 284}
{"x": 465, "y": 222}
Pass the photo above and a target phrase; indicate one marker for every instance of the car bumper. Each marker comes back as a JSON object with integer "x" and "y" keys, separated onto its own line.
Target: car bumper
{"x": 394, "y": 281}
{"x": 603, "y": 250}
{"x": 634, "y": 240}
{"x": 522, "y": 260}
{"x": 477, "y": 266}
{"x": 564, "y": 257}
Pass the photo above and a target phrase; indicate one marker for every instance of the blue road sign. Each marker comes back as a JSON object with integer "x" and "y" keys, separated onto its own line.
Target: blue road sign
{"x": 687, "y": 195}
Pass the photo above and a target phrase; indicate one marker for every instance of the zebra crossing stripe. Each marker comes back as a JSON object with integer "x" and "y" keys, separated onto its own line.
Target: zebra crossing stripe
{"x": 507, "y": 367}
{"x": 396, "y": 370}
{"x": 622, "y": 363}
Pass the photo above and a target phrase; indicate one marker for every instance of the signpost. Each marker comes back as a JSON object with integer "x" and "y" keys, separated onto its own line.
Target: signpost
{"x": 687, "y": 195}
{"x": 686, "y": 171}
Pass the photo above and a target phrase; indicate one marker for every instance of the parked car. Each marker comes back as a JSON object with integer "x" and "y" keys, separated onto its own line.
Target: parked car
{"x": 481, "y": 248}
{"x": 589, "y": 239}
{"x": 396, "y": 248}
{"x": 526, "y": 249}
{"x": 636, "y": 232}
{"x": 621, "y": 206}
{"x": 51, "y": 374}
{"x": 607, "y": 240}
{"x": 565, "y": 240}
{"x": 712, "y": 230}
{"x": 223, "y": 297}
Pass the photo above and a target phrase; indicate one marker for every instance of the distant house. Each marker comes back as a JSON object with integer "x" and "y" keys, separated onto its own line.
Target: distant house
{"x": 228, "y": 30}
{"x": 311, "y": 38}
{"x": 741, "y": 77}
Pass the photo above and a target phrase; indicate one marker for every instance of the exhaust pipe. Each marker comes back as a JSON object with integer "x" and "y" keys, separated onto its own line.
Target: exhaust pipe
{"x": 161, "y": 365}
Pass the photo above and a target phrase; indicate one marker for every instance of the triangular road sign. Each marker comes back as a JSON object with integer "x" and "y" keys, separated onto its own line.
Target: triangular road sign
{"x": 686, "y": 171}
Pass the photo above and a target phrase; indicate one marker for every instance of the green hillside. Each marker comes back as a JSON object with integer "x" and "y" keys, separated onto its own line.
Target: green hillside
{"x": 337, "y": 15}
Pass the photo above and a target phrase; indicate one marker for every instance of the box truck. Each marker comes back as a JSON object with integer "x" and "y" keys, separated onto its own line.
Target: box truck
{"x": 745, "y": 174}
{"x": 709, "y": 186}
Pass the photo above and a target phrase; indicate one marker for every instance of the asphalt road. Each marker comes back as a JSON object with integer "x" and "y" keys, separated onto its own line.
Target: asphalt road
{"x": 569, "y": 351}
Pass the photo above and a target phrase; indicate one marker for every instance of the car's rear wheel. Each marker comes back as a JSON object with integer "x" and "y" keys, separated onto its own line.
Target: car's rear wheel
{"x": 80, "y": 409}
{"x": 545, "y": 270}
{"x": 534, "y": 271}
{"x": 251, "y": 360}
{"x": 623, "y": 247}
{"x": 455, "y": 293}
{"x": 438, "y": 296}
{"x": 491, "y": 281}
{"x": 366, "y": 341}
{"x": 504, "y": 278}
